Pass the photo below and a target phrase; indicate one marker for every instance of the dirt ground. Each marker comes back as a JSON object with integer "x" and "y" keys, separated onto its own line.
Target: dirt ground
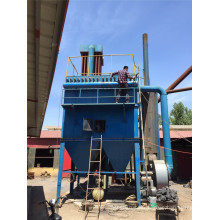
{"x": 71, "y": 210}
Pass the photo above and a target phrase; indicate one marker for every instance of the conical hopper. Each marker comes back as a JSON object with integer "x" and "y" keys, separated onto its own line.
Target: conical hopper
{"x": 79, "y": 153}
{"x": 119, "y": 153}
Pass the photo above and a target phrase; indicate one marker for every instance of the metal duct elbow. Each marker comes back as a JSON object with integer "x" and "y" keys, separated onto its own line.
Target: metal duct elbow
{"x": 157, "y": 89}
{"x": 165, "y": 124}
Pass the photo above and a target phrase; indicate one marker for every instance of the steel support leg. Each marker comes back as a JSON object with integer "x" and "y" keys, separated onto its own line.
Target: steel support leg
{"x": 137, "y": 170}
{"x": 137, "y": 156}
{"x": 60, "y": 171}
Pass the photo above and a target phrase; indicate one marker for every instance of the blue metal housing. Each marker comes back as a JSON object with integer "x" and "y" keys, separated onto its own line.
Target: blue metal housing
{"x": 94, "y": 98}
{"x": 96, "y": 101}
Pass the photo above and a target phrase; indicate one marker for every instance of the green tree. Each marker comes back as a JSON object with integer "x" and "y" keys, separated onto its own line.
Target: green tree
{"x": 180, "y": 115}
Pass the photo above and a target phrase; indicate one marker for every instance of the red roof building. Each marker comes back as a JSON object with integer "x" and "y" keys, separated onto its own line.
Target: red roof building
{"x": 181, "y": 143}
{"x": 43, "y": 152}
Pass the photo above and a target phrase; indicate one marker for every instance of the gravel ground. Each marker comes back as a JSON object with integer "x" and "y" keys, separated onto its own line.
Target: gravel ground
{"x": 71, "y": 208}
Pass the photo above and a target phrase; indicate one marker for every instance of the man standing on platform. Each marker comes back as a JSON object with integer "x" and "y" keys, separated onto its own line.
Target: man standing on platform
{"x": 123, "y": 75}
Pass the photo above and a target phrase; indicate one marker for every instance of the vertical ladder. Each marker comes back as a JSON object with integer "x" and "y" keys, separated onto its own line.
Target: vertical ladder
{"x": 93, "y": 174}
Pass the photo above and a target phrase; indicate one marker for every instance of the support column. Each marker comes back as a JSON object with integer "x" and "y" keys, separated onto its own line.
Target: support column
{"x": 60, "y": 171}
{"x": 137, "y": 157}
{"x": 137, "y": 170}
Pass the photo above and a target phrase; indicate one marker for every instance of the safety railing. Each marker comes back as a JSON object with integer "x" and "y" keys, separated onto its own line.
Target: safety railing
{"x": 100, "y": 78}
{"x": 87, "y": 60}
{"x": 91, "y": 96}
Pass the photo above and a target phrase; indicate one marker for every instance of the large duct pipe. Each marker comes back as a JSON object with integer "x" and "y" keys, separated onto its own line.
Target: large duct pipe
{"x": 145, "y": 60}
{"x": 91, "y": 58}
{"x": 165, "y": 123}
{"x": 180, "y": 79}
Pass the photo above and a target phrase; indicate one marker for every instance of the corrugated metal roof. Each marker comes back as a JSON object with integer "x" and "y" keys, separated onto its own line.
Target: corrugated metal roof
{"x": 45, "y": 20}
{"x": 53, "y": 128}
{"x": 178, "y": 134}
{"x": 179, "y": 127}
{"x": 50, "y": 134}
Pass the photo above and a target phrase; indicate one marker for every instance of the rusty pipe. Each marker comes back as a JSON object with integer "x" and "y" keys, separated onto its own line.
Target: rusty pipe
{"x": 179, "y": 80}
{"x": 178, "y": 90}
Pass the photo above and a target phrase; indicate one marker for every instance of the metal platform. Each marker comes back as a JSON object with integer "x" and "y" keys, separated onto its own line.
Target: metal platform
{"x": 97, "y": 96}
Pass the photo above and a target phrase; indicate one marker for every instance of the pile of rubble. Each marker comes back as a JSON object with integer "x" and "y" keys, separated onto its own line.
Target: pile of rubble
{"x": 167, "y": 195}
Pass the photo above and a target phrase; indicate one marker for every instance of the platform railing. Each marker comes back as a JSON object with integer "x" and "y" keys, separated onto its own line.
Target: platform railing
{"x": 100, "y": 78}
{"x": 70, "y": 60}
{"x": 96, "y": 99}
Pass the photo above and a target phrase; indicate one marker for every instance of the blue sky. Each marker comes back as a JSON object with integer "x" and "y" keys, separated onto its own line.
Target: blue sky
{"x": 118, "y": 26}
